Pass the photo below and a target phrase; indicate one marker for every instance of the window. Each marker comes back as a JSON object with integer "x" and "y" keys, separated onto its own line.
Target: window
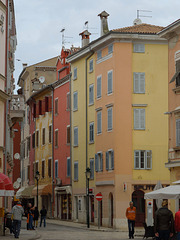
{"x": 49, "y": 167}
{"x": 56, "y": 138}
{"x": 68, "y": 101}
{"x": 56, "y": 106}
{"x": 139, "y": 118}
{"x": 37, "y": 138}
{"x": 56, "y": 168}
{"x": 177, "y": 132}
{"x": 99, "y": 54}
{"x": 40, "y": 107}
{"x": 109, "y": 112}
{"x": 110, "y": 82}
{"x": 43, "y": 136}
{"x": 110, "y": 48}
{"x": 110, "y": 160}
{"x": 75, "y": 101}
{"x": 75, "y": 136}
{"x": 28, "y": 145}
{"x": 36, "y": 166}
{"x": 68, "y": 167}
{"x": 33, "y": 140}
{"x": 91, "y": 94}
{"x": 28, "y": 172}
{"x": 92, "y": 168}
{"x": 50, "y": 133}
{"x": 91, "y": 65}
{"x": 99, "y": 162}
{"x": 139, "y": 82}
{"x": 139, "y": 47}
{"x": 99, "y": 122}
{"x": 76, "y": 171}
{"x": 68, "y": 134}
{"x": 143, "y": 159}
{"x": 91, "y": 132}
{"x": 43, "y": 168}
{"x": 99, "y": 87}
{"x": 75, "y": 73}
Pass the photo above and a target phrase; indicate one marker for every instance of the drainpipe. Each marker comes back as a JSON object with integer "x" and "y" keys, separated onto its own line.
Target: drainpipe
{"x": 70, "y": 78}
{"x": 52, "y": 164}
{"x": 87, "y": 187}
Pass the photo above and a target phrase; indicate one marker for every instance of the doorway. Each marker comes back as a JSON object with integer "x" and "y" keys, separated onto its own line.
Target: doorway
{"x": 139, "y": 203}
{"x": 111, "y": 210}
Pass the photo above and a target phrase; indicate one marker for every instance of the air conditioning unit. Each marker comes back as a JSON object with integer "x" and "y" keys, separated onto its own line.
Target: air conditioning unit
{"x": 58, "y": 182}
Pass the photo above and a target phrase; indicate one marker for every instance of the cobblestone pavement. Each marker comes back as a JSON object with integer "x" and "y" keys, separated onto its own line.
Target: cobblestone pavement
{"x": 57, "y": 230}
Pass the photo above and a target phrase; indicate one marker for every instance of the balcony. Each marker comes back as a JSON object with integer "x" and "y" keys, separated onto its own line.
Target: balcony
{"x": 16, "y": 108}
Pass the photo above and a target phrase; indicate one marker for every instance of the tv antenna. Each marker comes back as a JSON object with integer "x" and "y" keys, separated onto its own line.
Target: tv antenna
{"x": 87, "y": 27}
{"x": 64, "y": 37}
{"x": 138, "y": 13}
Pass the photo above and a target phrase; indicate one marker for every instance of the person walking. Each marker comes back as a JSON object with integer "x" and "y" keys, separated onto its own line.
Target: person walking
{"x": 163, "y": 222}
{"x": 17, "y": 212}
{"x": 36, "y": 217}
{"x": 43, "y": 213}
{"x": 177, "y": 224}
{"x": 131, "y": 217}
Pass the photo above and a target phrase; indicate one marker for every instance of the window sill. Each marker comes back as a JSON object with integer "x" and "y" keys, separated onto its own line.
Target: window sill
{"x": 91, "y": 104}
{"x": 75, "y": 146}
{"x": 177, "y": 148}
{"x": 75, "y": 110}
{"x": 91, "y": 71}
{"x": 176, "y": 90}
{"x": 91, "y": 142}
{"x": 140, "y": 129}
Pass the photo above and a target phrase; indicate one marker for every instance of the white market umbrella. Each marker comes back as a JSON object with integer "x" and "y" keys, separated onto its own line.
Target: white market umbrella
{"x": 170, "y": 192}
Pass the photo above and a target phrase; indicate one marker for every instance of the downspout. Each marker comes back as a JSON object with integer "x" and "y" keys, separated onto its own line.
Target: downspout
{"x": 86, "y": 91}
{"x": 70, "y": 78}
{"x": 52, "y": 164}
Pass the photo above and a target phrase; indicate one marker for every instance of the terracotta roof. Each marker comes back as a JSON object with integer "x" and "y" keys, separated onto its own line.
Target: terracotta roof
{"x": 140, "y": 28}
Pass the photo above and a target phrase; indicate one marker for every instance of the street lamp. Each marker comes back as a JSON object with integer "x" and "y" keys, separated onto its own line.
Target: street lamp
{"x": 37, "y": 179}
{"x": 88, "y": 173}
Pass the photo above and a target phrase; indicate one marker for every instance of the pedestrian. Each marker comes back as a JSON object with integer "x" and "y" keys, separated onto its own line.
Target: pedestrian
{"x": 43, "y": 213}
{"x": 163, "y": 222}
{"x": 177, "y": 224}
{"x": 36, "y": 217}
{"x": 131, "y": 217}
{"x": 30, "y": 218}
{"x": 17, "y": 212}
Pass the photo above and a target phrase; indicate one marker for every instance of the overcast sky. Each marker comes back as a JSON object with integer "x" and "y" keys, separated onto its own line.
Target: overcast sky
{"x": 39, "y": 22}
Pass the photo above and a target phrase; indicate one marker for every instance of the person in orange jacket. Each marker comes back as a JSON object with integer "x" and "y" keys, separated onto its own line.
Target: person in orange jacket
{"x": 131, "y": 217}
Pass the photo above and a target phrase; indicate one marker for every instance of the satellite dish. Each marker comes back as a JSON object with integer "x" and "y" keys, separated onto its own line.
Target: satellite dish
{"x": 16, "y": 185}
{"x": 17, "y": 156}
{"x": 41, "y": 79}
{"x": 18, "y": 180}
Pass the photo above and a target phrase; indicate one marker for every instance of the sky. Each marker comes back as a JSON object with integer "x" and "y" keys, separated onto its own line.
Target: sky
{"x": 39, "y": 23}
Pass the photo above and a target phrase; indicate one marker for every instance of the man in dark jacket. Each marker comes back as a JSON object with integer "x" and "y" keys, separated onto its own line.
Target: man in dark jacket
{"x": 43, "y": 213}
{"x": 164, "y": 222}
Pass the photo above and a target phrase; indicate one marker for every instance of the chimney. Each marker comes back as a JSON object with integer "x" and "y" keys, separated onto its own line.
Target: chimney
{"x": 24, "y": 65}
{"x": 85, "y": 37}
{"x": 104, "y": 23}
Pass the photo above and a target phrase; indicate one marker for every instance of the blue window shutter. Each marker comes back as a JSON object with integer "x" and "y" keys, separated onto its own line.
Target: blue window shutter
{"x": 112, "y": 159}
{"x": 101, "y": 162}
{"x": 96, "y": 162}
{"x": 107, "y": 160}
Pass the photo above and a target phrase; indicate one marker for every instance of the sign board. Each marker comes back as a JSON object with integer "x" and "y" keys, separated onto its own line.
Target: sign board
{"x": 99, "y": 197}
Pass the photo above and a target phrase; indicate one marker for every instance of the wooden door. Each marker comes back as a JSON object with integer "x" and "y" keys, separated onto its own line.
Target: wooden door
{"x": 139, "y": 203}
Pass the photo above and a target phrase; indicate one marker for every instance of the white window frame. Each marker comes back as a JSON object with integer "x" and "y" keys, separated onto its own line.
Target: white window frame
{"x": 91, "y": 132}
{"x": 75, "y": 73}
{"x": 139, "y": 48}
{"x": 138, "y": 161}
{"x": 68, "y": 170}
{"x": 110, "y": 48}
{"x": 99, "y": 54}
{"x": 99, "y": 88}
{"x": 75, "y": 101}
{"x": 99, "y": 121}
{"x": 109, "y": 126}
{"x": 56, "y": 168}
{"x": 139, "y": 122}
{"x": 91, "y": 94}
{"x": 139, "y": 82}
{"x": 91, "y": 168}
{"x": 75, "y": 137}
{"x": 91, "y": 65}
{"x": 99, "y": 161}
{"x": 109, "y": 91}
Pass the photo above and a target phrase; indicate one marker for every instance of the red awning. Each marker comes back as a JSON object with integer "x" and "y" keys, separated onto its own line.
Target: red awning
{"x": 9, "y": 190}
{"x": 2, "y": 188}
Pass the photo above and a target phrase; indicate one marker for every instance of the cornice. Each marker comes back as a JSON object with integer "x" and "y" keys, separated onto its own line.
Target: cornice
{"x": 4, "y": 96}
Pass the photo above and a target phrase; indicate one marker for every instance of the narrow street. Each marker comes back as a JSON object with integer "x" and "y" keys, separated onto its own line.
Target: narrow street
{"x": 61, "y": 230}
